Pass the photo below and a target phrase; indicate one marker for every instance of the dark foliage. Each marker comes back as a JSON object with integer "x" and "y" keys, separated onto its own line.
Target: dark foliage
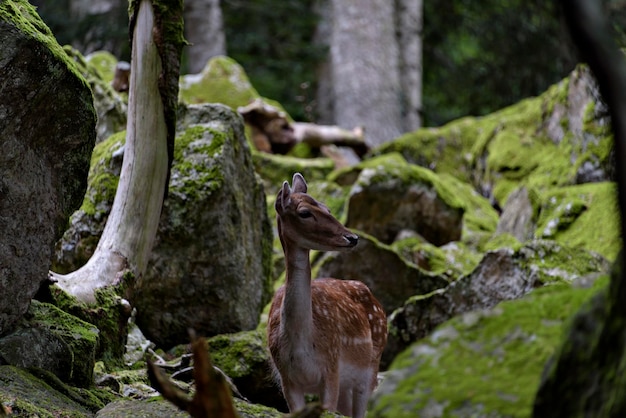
{"x": 482, "y": 56}
{"x": 273, "y": 40}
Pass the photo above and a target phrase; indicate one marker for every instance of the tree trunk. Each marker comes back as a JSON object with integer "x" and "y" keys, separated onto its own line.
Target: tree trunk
{"x": 127, "y": 239}
{"x": 204, "y": 29}
{"x": 360, "y": 84}
{"x": 409, "y": 22}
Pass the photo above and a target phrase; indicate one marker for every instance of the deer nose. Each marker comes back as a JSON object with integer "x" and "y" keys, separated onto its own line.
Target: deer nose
{"x": 353, "y": 239}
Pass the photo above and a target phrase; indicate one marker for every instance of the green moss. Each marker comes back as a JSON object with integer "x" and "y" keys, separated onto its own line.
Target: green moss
{"x": 107, "y": 315}
{"x": 426, "y": 147}
{"x": 103, "y": 64}
{"x": 275, "y": 169}
{"x": 409, "y": 175}
{"x": 479, "y": 218}
{"x": 485, "y": 363}
{"x": 24, "y": 16}
{"x": 236, "y": 354}
{"x": 42, "y": 395}
{"x": 255, "y": 410}
{"x": 223, "y": 80}
{"x": 553, "y": 262}
{"x": 101, "y": 179}
{"x": 452, "y": 260}
{"x": 348, "y": 175}
{"x": 583, "y": 215}
{"x": 199, "y": 178}
{"x": 502, "y": 241}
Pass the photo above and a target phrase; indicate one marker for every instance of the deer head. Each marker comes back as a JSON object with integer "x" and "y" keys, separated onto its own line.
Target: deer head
{"x": 307, "y": 223}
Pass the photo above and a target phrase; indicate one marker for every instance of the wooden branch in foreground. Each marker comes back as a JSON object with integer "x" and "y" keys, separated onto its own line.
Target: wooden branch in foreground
{"x": 213, "y": 398}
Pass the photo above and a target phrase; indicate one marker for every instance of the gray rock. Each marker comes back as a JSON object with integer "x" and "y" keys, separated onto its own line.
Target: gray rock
{"x": 53, "y": 340}
{"x": 210, "y": 266}
{"x": 47, "y": 120}
{"x": 245, "y": 359}
{"x": 387, "y": 200}
{"x": 517, "y": 216}
{"x": 501, "y": 275}
{"x": 30, "y": 394}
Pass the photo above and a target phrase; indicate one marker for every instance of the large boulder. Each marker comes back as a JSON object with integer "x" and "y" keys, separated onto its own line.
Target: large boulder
{"x": 485, "y": 363}
{"x": 561, "y": 137}
{"x": 503, "y": 274}
{"x": 387, "y": 199}
{"x": 53, "y": 340}
{"x": 210, "y": 265}
{"x": 244, "y": 357}
{"x": 47, "y": 120}
{"x": 586, "y": 372}
{"x": 222, "y": 80}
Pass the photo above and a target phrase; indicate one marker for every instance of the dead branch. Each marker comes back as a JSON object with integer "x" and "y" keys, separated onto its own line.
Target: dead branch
{"x": 273, "y": 132}
{"x": 213, "y": 398}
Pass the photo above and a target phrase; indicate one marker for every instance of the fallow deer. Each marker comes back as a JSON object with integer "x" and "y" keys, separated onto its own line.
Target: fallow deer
{"x": 326, "y": 336}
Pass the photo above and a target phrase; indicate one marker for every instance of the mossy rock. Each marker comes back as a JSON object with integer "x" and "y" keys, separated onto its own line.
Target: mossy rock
{"x": 37, "y": 394}
{"x": 454, "y": 259}
{"x": 103, "y": 63}
{"x": 541, "y": 142}
{"x": 244, "y": 357}
{"x": 51, "y": 339}
{"x": 482, "y": 363}
{"x": 388, "y": 199}
{"x": 584, "y": 215}
{"x": 275, "y": 169}
{"x": 222, "y": 80}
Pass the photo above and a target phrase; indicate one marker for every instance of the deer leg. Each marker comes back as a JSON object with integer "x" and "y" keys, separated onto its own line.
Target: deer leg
{"x": 294, "y": 397}
{"x": 360, "y": 396}
{"x": 345, "y": 402}
{"x": 330, "y": 391}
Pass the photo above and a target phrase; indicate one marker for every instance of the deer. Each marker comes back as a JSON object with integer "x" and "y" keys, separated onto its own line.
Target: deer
{"x": 325, "y": 336}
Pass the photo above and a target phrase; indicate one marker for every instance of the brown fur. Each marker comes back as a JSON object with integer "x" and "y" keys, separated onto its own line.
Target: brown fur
{"x": 339, "y": 334}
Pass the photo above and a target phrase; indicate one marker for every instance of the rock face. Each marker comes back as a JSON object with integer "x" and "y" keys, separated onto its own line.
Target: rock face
{"x": 484, "y": 363}
{"x": 501, "y": 275}
{"x": 585, "y": 373}
{"x": 47, "y": 120}
{"x": 385, "y": 201}
{"x": 210, "y": 265}
{"x": 55, "y": 341}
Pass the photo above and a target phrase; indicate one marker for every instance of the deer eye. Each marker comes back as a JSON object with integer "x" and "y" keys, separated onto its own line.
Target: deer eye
{"x": 305, "y": 213}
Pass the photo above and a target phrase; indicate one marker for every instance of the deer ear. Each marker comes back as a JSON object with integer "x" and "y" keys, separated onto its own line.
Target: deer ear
{"x": 282, "y": 198}
{"x": 298, "y": 183}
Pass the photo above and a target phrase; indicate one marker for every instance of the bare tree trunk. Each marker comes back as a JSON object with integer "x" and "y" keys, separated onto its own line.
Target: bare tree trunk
{"x": 362, "y": 73}
{"x": 204, "y": 29}
{"x": 409, "y": 23}
{"x": 127, "y": 239}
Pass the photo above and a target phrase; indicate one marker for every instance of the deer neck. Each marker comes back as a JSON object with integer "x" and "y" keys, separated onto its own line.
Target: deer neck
{"x": 297, "y": 316}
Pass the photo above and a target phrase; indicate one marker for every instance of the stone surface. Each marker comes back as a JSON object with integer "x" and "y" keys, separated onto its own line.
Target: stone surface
{"x": 485, "y": 363}
{"x": 518, "y": 216}
{"x": 39, "y": 394}
{"x": 47, "y": 120}
{"x": 245, "y": 359}
{"x": 210, "y": 265}
{"x": 384, "y": 201}
{"x": 501, "y": 275}
{"x": 53, "y": 340}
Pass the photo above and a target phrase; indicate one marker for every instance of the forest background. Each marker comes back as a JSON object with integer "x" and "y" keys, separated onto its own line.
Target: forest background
{"x": 477, "y": 57}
